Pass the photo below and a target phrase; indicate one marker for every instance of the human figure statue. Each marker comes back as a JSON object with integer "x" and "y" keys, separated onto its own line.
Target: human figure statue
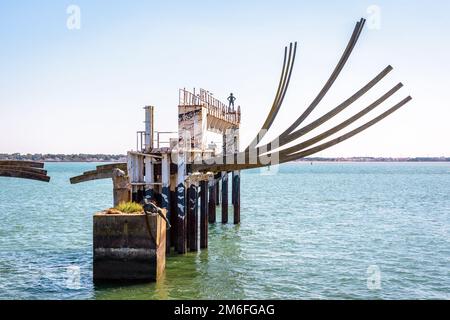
{"x": 231, "y": 100}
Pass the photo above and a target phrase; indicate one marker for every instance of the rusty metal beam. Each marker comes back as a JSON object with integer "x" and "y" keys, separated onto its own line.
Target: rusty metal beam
{"x": 26, "y": 169}
{"x": 19, "y": 163}
{"x": 101, "y": 172}
{"x": 23, "y": 175}
{"x": 90, "y": 176}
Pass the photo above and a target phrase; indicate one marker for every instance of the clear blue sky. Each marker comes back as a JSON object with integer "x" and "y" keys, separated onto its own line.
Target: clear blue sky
{"x": 73, "y": 91}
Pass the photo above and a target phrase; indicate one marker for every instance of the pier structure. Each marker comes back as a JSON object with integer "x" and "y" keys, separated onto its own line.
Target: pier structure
{"x": 190, "y": 171}
{"x": 162, "y": 170}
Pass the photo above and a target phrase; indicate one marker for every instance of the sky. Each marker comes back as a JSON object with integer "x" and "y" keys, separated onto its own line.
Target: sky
{"x": 79, "y": 86}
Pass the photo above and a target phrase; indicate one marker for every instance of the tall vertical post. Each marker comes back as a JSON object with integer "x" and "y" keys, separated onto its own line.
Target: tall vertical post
{"x": 212, "y": 200}
{"x": 204, "y": 214}
{"x": 131, "y": 168}
{"x": 236, "y": 182}
{"x": 224, "y": 197}
{"x": 193, "y": 218}
{"x": 149, "y": 127}
{"x": 181, "y": 204}
{"x": 165, "y": 193}
{"x": 217, "y": 191}
{"x": 149, "y": 177}
{"x": 236, "y": 195}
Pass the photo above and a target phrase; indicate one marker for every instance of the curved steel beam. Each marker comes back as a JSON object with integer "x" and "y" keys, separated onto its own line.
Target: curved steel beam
{"x": 285, "y": 137}
{"x": 350, "y": 46}
{"x": 348, "y": 135}
{"x": 306, "y": 129}
{"x": 339, "y": 127}
{"x": 281, "y": 92}
{"x": 313, "y": 150}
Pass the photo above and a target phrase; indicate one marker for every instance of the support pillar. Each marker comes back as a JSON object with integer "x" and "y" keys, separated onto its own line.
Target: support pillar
{"x": 224, "y": 197}
{"x": 212, "y": 200}
{"x": 217, "y": 191}
{"x": 181, "y": 207}
{"x": 165, "y": 193}
{"x": 236, "y": 195}
{"x": 193, "y": 218}
{"x": 203, "y": 214}
{"x": 149, "y": 178}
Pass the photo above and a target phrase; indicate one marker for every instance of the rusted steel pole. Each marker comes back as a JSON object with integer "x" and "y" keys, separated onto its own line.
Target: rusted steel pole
{"x": 203, "y": 214}
{"x": 193, "y": 218}
{"x": 212, "y": 201}
{"x": 236, "y": 195}
{"x": 224, "y": 197}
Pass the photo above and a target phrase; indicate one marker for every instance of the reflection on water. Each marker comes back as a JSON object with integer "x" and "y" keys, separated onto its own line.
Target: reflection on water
{"x": 306, "y": 232}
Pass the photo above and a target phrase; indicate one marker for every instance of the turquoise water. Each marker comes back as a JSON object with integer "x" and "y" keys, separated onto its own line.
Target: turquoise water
{"x": 307, "y": 232}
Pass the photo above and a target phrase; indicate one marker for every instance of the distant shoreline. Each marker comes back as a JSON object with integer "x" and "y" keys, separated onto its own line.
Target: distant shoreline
{"x": 68, "y": 158}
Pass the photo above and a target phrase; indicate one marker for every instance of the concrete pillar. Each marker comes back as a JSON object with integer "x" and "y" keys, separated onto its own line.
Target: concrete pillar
{"x": 121, "y": 187}
{"x": 129, "y": 247}
{"x": 149, "y": 178}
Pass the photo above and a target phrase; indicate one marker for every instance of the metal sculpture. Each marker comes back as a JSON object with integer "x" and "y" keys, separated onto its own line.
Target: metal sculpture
{"x": 291, "y": 134}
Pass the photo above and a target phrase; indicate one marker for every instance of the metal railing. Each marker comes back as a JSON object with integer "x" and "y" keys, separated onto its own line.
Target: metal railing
{"x": 158, "y": 142}
{"x": 215, "y": 107}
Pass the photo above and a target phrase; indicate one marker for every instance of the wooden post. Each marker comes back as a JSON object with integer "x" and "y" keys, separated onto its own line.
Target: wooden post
{"x": 212, "y": 200}
{"x": 193, "y": 218}
{"x": 224, "y": 197}
{"x": 203, "y": 214}
{"x": 236, "y": 189}
{"x": 165, "y": 193}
